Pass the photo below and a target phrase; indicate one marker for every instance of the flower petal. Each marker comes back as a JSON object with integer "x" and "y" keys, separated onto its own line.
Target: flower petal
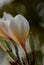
{"x": 3, "y": 34}
{"x": 4, "y": 58}
{"x": 5, "y": 23}
{"x": 5, "y": 26}
{"x": 7, "y": 16}
{"x": 22, "y": 55}
{"x": 23, "y": 25}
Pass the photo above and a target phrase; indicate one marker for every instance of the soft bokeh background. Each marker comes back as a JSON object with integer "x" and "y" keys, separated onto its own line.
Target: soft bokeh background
{"x": 33, "y": 10}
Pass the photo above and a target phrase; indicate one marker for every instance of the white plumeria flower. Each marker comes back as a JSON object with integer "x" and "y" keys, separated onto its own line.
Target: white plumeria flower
{"x": 15, "y": 27}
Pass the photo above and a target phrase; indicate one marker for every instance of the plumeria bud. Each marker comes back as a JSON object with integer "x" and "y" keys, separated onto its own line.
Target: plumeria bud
{"x": 15, "y": 27}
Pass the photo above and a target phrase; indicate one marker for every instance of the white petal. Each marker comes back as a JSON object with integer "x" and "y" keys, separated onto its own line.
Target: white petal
{"x": 5, "y": 23}
{"x": 23, "y": 25}
{"x": 22, "y": 54}
{"x": 4, "y": 58}
{"x": 7, "y": 16}
{"x": 28, "y": 47}
{"x": 14, "y": 27}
